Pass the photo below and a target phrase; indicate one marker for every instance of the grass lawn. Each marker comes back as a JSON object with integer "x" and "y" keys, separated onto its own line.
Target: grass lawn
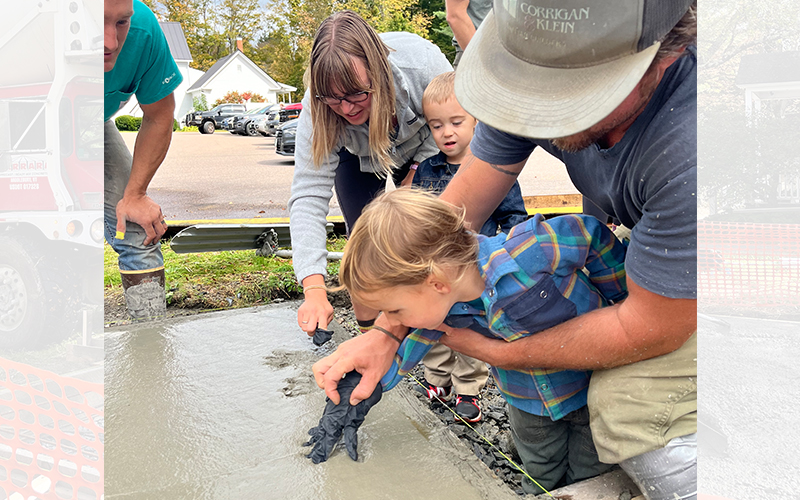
{"x": 217, "y": 280}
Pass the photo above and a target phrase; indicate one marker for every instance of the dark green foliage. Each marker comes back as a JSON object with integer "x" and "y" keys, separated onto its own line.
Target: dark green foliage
{"x": 128, "y": 123}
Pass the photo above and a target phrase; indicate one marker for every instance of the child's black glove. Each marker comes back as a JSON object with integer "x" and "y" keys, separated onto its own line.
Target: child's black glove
{"x": 342, "y": 418}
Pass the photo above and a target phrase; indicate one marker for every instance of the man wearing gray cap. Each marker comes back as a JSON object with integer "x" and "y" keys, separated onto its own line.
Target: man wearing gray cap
{"x": 610, "y": 89}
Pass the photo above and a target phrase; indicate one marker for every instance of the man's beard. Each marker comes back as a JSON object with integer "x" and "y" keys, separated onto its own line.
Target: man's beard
{"x": 582, "y": 140}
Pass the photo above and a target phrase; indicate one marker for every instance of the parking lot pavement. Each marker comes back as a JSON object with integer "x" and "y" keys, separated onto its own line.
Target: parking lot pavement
{"x": 226, "y": 176}
{"x": 221, "y": 176}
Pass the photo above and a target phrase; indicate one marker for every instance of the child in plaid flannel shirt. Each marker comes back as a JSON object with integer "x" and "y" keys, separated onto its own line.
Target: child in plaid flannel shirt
{"x": 411, "y": 257}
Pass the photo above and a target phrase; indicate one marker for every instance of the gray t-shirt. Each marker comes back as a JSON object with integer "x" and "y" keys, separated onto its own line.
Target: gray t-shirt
{"x": 648, "y": 180}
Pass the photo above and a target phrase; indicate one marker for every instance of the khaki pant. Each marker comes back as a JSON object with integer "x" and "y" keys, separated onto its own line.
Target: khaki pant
{"x": 640, "y": 407}
{"x": 445, "y": 367}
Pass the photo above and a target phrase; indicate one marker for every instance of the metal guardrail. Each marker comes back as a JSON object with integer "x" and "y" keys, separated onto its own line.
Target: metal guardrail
{"x": 264, "y": 238}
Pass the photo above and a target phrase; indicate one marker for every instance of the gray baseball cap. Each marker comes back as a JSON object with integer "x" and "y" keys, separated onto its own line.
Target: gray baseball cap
{"x": 553, "y": 68}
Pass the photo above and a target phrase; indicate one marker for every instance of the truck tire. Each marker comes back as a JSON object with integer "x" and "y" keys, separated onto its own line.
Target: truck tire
{"x": 200, "y": 129}
{"x": 22, "y": 296}
{"x": 208, "y": 127}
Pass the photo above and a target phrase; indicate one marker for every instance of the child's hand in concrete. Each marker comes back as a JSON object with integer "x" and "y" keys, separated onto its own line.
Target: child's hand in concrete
{"x": 343, "y": 418}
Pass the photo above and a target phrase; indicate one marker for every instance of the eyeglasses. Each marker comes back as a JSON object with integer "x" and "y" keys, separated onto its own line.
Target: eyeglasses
{"x": 351, "y": 98}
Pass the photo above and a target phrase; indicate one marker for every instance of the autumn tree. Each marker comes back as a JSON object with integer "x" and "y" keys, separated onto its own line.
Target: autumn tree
{"x": 292, "y": 24}
{"x": 240, "y": 19}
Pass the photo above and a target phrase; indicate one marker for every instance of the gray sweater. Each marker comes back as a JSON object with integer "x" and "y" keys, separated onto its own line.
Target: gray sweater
{"x": 414, "y": 62}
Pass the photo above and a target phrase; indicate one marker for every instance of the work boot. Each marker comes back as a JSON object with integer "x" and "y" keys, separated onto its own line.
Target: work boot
{"x": 144, "y": 294}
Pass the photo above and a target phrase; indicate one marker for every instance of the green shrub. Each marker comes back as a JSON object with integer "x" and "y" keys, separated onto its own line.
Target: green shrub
{"x": 124, "y": 123}
{"x": 128, "y": 123}
{"x": 175, "y": 125}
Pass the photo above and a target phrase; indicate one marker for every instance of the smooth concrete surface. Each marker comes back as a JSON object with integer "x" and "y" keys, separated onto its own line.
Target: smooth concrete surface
{"x": 217, "y": 406}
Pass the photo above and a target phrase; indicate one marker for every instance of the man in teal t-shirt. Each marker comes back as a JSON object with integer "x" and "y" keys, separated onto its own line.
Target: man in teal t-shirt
{"x": 137, "y": 62}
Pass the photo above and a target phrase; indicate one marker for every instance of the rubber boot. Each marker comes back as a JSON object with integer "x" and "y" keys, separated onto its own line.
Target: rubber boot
{"x": 144, "y": 294}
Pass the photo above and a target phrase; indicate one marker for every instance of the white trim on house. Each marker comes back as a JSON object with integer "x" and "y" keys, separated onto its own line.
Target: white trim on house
{"x": 238, "y": 73}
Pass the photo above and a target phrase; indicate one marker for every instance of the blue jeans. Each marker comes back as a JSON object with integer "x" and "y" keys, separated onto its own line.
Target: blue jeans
{"x": 133, "y": 254}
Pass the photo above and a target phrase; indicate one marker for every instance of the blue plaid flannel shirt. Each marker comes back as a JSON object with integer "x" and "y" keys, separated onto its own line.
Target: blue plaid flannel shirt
{"x": 534, "y": 280}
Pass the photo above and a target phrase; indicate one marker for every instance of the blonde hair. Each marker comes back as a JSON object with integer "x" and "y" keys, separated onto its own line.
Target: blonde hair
{"x": 340, "y": 38}
{"x": 401, "y": 238}
{"x": 440, "y": 90}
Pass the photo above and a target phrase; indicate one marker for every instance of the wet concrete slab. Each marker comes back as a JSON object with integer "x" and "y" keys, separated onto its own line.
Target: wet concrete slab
{"x": 217, "y": 406}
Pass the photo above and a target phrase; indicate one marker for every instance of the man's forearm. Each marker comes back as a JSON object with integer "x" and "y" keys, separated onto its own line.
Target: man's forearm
{"x": 480, "y": 187}
{"x": 591, "y": 341}
{"x": 640, "y": 328}
{"x": 459, "y": 21}
{"x": 152, "y": 144}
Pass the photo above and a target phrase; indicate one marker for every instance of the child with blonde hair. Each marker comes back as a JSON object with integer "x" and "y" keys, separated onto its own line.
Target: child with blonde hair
{"x": 411, "y": 256}
{"x": 446, "y": 371}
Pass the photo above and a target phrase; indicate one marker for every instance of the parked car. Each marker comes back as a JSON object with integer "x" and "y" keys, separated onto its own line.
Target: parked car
{"x": 245, "y": 126}
{"x": 208, "y": 121}
{"x": 229, "y": 124}
{"x": 289, "y": 112}
{"x": 285, "y": 138}
{"x": 255, "y": 122}
{"x": 271, "y": 120}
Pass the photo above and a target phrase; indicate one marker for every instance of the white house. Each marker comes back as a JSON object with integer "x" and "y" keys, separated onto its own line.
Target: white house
{"x": 769, "y": 77}
{"x": 233, "y": 72}
{"x": 237, "y": 72}
{"x": 772, "y": 77}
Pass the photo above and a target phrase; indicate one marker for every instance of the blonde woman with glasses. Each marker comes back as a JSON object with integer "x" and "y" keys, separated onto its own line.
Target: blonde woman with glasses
{"x": 362, "y": 123}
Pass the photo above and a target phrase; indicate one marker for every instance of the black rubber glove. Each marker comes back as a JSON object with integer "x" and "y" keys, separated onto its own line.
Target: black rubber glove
{"x": 343, "y": 418}
{"x": 321, "y": 336}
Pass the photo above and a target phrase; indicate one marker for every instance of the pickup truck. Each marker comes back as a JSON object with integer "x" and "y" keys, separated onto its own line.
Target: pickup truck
{"x": 208, "y": 121}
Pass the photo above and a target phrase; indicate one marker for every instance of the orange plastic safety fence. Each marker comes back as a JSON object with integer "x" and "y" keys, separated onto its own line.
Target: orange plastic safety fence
{"x": 748, "y": 266}
{"x": 51, "y": 435}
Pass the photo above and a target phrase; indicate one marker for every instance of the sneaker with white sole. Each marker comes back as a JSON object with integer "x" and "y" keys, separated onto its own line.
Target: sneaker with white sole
{"x": 434, "y": 392}
{"x": 467, "y": 408}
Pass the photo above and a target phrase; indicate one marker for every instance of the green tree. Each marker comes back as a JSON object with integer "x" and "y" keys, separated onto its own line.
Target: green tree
{"x": 184, "y": 12}
{"x": 200, "y": 103}
{"x": 285, "y": 48}
{"x": 441, "y": 34}
{"x": 392, "y": 15}
{"x": 240, "y": 19}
